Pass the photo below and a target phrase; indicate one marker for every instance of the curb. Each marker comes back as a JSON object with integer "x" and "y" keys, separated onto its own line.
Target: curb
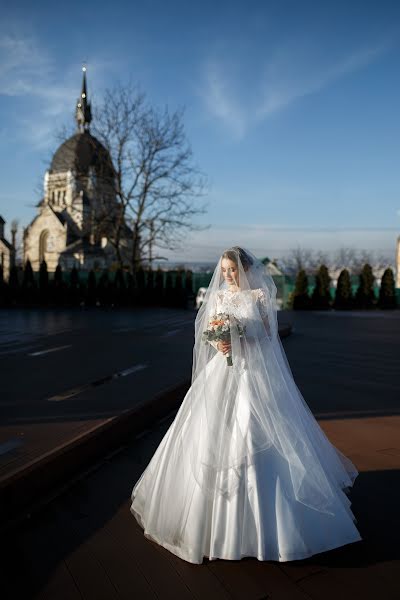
{"x": 25, "y": 490}
{"x": 21, "y": 491}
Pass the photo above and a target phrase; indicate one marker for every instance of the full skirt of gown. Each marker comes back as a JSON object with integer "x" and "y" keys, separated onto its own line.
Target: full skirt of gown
{"x": 263, "y": 519}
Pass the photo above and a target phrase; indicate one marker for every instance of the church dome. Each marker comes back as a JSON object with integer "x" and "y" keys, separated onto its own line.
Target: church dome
{"x": 80, "y": 152}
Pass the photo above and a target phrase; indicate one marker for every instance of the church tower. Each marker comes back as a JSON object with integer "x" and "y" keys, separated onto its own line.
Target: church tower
{"x": 79, "y": 204}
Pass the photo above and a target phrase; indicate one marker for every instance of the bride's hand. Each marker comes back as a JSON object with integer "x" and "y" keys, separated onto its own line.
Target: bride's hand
{"x": 224, "y": 347}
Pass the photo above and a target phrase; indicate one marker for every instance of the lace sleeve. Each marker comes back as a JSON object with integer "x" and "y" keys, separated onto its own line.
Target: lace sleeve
{"x": 262, "y": 303}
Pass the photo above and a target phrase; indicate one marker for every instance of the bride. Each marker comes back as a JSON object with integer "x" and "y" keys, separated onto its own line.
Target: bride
{"x": 244, "y": 469}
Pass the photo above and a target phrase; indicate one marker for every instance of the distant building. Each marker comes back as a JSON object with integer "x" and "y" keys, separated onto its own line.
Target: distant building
{"x": 272, "y": 267}
{"x": 76, "y": 216}
{"x": 279, "y": 277}
{"x": 7, "y": 252}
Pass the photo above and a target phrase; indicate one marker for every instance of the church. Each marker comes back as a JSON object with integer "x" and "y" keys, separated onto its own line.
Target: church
{"x": 75, "y": 224}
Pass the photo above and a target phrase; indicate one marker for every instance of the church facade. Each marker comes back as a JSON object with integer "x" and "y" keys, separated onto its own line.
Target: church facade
{"x": 75, "y": 224}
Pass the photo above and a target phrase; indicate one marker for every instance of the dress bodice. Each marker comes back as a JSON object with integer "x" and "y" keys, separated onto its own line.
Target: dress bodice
{"x": 237, "y": 303}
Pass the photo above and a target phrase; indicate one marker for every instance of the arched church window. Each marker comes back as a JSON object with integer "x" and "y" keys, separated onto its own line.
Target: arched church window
{"x": 43, "y": 244}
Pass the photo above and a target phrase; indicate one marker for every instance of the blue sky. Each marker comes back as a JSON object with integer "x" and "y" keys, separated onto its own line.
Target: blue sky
{"x": 292, "y": 109}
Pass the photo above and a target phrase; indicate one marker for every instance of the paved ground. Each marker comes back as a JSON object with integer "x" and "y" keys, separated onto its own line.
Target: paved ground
{"x": 86, "y": 544}
{"x": 50, "y": 358}
{"x": 65, "y": 372}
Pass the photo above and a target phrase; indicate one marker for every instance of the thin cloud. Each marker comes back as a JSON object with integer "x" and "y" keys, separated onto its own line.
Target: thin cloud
{"x": 284, "y": 93}
{"x": 21, "y": 63}
{"x": 278, "y": 87}
{"x": 28, "y": 71}
{"x": 219, "y": 100}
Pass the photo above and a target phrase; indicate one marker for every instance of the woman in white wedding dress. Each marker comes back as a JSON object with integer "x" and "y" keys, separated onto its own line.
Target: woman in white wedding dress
{"x": 244, "y": 469}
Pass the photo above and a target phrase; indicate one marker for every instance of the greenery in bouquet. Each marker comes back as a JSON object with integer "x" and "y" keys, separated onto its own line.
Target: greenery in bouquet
{"x": 219, "y": 330}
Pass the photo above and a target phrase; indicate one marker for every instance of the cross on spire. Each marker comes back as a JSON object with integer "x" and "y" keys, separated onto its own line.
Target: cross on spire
{"x": 83, "y": 113}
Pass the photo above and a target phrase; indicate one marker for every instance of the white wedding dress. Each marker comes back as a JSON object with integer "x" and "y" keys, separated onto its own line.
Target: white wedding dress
{"x": 263, "y": 519}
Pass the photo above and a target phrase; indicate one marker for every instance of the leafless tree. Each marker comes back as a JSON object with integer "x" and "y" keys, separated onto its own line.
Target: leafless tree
{"x": 156, "y": 183}
{"x": 362, "y": 257}
{"x": 16, "y": 239}
{"x": 322, "y": 258}
{"x": 384, "y": 260}
{"x": 299, "y": 258}
{"x": 354, "y": 259}
{"x": 344, "y": 258}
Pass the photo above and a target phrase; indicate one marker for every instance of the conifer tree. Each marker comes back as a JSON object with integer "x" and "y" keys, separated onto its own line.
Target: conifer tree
{"x": 103, "y": 289}
{"x": 387, "y": 291}
{"x": 150, "y": 287}
{"x": 29, "y": 287}
{"x": 130, "y": 289}
{"x": 14, "y": 288}
{"x": 43, "y": 283}
{"x": 140, "y": 285}
{"x": 74, "y": 287}
{"x": 365, "y": 297}
{"x": 169, "y": 290}
{"x": 91, "y": 292}
{"x": 343, "y": 296}
{"x": 189, "y": 288}
{"x": 159, "y": 287}
{"x": 120, "y": 295}
{"x": 301, "y": 299}
{"x": 321, "y": 298}
{"x": 179, "y": 292}
{"x": 58, "y": 286}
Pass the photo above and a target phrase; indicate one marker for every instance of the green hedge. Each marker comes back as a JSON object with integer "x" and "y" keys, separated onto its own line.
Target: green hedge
{"x": 26, "y": 288}
{"x": 364, "y": 293}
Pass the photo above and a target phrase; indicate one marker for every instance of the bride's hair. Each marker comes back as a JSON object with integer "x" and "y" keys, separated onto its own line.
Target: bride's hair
{"x": 233, "y": 253}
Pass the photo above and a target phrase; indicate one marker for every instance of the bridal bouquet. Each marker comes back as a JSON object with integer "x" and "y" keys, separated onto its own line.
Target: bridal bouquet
{"x": 218, "y": 330}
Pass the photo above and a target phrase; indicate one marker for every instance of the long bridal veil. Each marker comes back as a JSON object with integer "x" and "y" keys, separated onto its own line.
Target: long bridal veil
{"x": 225, "y": 428}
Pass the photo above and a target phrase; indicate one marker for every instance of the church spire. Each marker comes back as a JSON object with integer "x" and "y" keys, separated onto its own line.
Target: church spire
{"x": 83, "y": 113}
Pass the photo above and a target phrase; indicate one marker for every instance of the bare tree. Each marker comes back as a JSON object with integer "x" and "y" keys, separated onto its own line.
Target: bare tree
{"x": 156, "y": 183}
{"x": 298, "y": 258}
{"x": 344, "y": 258}
{"x": 353, "y": 259}
{"x": 322, "y": 258}
{"x": 363, "y": 257}
{"x": 17, "y": 240}
{"x": 384, "y": 260}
